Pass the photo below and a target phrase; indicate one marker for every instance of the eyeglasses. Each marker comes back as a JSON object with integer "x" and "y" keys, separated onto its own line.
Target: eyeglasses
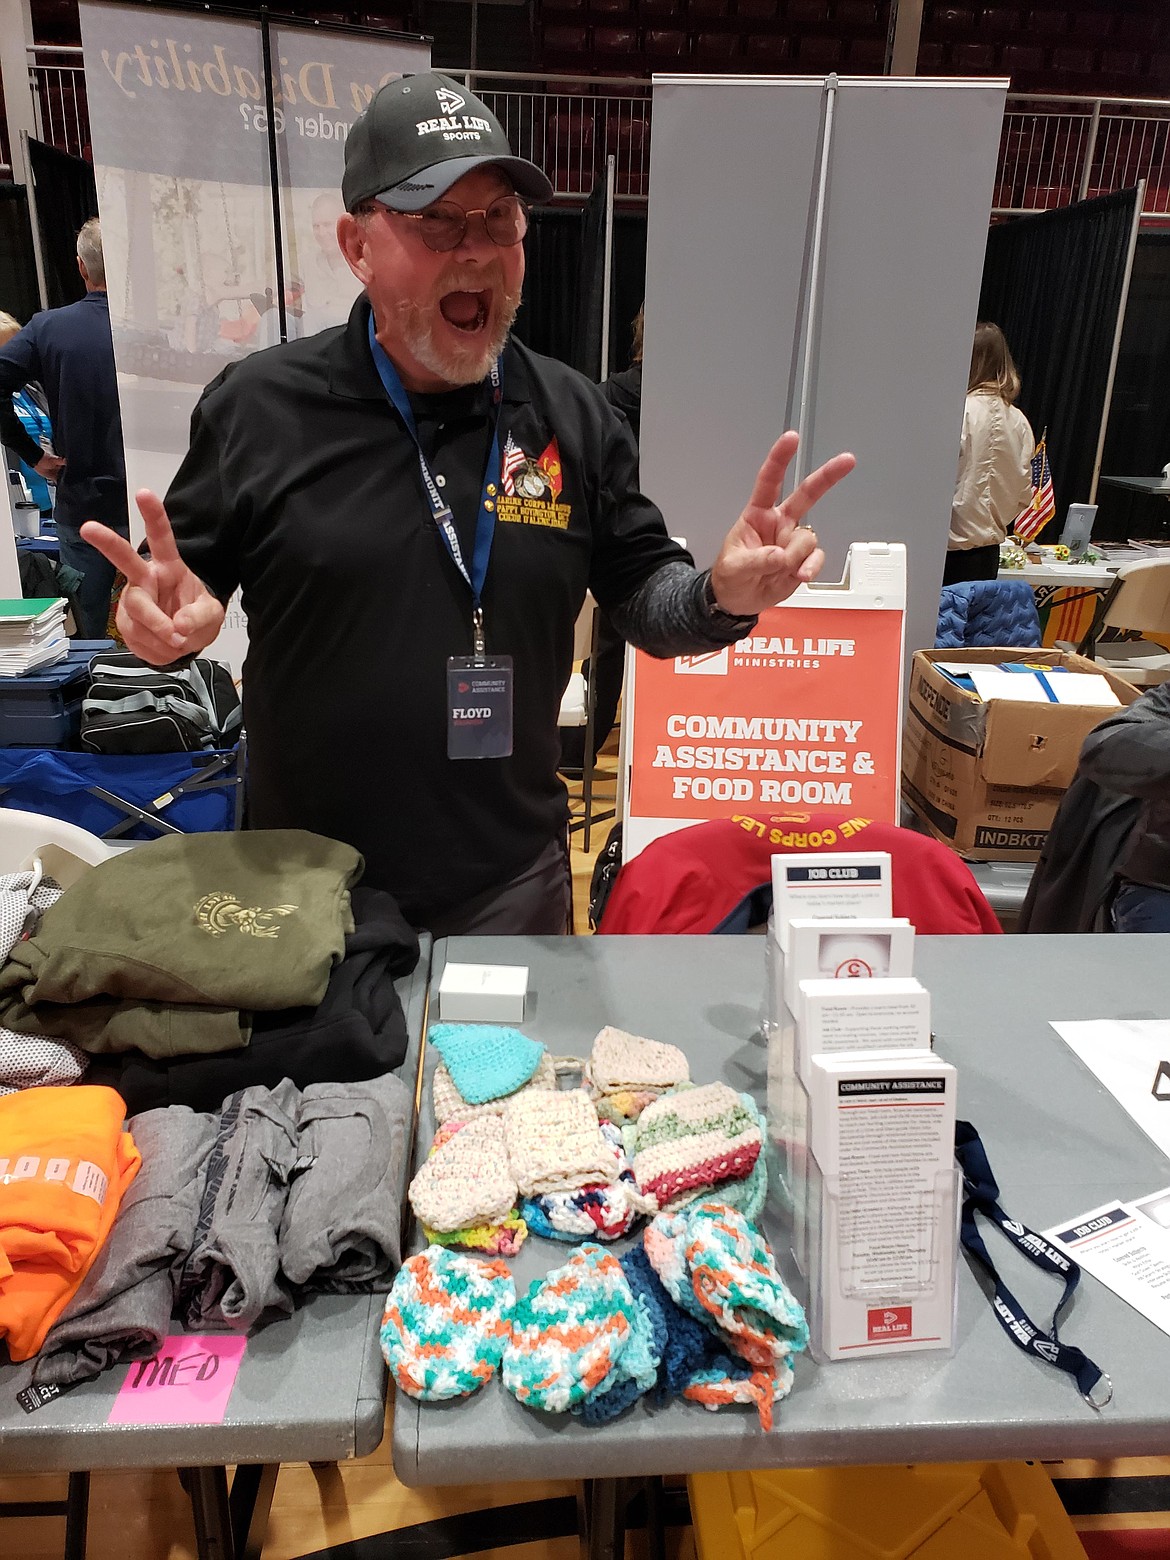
{"x": 444, "y": 225}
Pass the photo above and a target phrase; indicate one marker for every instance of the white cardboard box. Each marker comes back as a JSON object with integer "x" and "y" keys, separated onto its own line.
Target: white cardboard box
{"x": 483, "y": 993}
{"x": 883, "y": 1203}
{"x": 840, "y": 885}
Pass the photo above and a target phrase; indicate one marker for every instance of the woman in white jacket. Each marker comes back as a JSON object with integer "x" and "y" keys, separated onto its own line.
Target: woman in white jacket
{"x": 995, "y": 454}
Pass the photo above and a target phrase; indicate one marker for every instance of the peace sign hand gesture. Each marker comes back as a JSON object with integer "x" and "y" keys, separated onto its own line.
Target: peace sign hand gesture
{"x": 165, "y": 611}
{"x": 769, "y": 552}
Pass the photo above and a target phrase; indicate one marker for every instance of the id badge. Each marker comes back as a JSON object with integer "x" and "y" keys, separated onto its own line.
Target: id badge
{"x": 479, "y": 706}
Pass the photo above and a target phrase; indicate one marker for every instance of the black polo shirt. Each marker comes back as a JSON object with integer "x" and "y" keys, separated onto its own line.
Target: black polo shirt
{"x": 302, "y": 486}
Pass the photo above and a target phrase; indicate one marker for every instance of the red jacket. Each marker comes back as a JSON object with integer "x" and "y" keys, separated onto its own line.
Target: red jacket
{"x": 717, "y": 877}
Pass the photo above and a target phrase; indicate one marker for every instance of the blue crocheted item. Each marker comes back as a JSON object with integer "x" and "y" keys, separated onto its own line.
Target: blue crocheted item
{"x": 486, "y": 1061}
{"x": 690, "y": 1348}
{"x": 987, "y": 613}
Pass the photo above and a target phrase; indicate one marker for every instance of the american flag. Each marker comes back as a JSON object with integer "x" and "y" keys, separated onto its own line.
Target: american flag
{"x": 510, "y": 463}
{"x": 1032, "y": 520}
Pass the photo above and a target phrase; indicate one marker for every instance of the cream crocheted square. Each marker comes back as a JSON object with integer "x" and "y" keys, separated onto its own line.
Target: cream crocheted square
{"x": 555, "y": 1142}
{"x": 620, "y": 1061}
{"x": 449, "y": 1104}
{"x": 467, "y": 1181}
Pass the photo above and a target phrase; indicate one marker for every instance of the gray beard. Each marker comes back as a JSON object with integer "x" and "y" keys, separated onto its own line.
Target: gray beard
{"x": 456, "y": 365}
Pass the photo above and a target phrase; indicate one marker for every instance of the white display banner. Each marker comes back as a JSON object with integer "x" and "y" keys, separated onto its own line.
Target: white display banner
{"x": 803, "y": 712}
{"x": 180, "y": 141}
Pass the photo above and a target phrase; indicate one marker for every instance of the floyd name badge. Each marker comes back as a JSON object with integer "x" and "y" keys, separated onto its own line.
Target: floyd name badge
{"x": 479, "y": 706}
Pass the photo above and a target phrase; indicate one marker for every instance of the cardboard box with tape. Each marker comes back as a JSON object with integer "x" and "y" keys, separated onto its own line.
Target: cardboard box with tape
{"x": 987, "y": 777}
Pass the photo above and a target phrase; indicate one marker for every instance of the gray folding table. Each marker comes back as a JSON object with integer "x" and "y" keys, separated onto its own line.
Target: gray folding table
{"x": 311, "y": 1388}
{"x": 1058, "y": 1143}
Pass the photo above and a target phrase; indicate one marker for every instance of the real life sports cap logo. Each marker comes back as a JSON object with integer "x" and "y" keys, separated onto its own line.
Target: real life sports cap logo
{"x": 450, "y": 102}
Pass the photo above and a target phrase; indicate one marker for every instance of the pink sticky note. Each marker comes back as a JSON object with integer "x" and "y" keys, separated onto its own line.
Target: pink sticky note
{"x": 188, "y": 1382}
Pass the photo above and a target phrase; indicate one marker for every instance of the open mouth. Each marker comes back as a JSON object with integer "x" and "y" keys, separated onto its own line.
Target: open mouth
{"x": 466, "y": 311}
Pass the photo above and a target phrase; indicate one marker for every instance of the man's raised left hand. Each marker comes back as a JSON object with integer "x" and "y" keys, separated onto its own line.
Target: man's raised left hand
{"x": 769, "y": 551}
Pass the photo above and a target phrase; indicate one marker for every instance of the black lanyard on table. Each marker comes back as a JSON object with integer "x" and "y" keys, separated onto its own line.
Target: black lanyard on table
{"x": 981, "y": 1195}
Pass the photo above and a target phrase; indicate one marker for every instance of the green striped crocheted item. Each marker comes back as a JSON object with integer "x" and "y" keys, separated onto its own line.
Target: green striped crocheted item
{"x": 694, "y": 1139}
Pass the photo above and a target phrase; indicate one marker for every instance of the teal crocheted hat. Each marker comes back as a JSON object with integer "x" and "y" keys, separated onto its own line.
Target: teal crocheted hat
{"x": 576, "y": 1334}
{"x": 446, "y": 1321}
{"x": 486, "y": 1061}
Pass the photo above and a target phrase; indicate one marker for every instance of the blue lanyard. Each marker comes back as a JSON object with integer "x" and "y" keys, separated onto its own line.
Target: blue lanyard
{"x": 485, "y": 526}
{"x": 981, "y": 1195}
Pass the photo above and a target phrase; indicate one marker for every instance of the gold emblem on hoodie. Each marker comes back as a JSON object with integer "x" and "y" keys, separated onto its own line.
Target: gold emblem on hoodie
{"x": 218, "y": 913}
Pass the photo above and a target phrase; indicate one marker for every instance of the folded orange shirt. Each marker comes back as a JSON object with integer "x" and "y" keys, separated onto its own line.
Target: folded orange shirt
{"x": 65, "y": 1164}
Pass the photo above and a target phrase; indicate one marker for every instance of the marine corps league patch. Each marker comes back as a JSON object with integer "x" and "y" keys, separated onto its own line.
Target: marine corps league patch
{"x": 530, "y": 487}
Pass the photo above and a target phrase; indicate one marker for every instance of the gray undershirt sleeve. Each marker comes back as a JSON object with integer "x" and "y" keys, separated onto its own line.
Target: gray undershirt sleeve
{"x": 668, "y": 615}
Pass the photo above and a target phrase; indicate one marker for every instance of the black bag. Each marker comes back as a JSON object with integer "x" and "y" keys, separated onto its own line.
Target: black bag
{"x": 131, "y": 707}
{"x": 605, "y": 871}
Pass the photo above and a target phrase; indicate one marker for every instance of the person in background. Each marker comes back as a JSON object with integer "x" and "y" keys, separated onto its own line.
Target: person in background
{"x": 995, "y": 454}
{"x": 70, "y": 351}
{"x": 1129, "y": 755}
{"x": 623, "y": 391}
{"x": 27, "y": 410}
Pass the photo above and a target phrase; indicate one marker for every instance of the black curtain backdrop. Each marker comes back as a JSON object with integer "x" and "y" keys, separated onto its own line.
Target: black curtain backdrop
{"x": 547, "y": 318}
{"x": 18, "y": 267}
{"x": 1053, "y": 285}
{"x": 66, "y": 198}
{"x": 1137, "y": 441}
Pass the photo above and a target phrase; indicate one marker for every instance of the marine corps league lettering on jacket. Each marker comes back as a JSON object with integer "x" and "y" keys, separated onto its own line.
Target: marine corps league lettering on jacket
{"x": 530, "y": 488}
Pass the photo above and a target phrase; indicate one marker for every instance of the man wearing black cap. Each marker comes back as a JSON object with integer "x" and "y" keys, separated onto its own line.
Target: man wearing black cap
{"x": 415, "y": 507}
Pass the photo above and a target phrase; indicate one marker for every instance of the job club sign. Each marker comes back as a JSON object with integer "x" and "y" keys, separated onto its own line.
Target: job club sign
{"x": 803, "y": 711}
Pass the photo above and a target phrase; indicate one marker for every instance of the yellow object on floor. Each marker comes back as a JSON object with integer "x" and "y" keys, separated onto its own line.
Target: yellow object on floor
{"x": 928, "y": 1511}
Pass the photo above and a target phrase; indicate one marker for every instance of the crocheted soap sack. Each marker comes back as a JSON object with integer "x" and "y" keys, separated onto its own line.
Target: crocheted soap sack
{"x": 694, "y": 1139}
{"x": 576, "y": 1334}
{"x": 446, "y": 1322}
{"x": 486, "y": 1061}
{"x": 747, "y": 1196}
{"x": 691, "y": 1350}
{"x": 720, "y": 1269}
{"x": 605, "y": 1212}
{"x": 648, "y": 1342}
{"x": 465, "y": 1180}
{"x": 631, "y": 1067}
{"x": 555, "y": 1142}
{"x": 502, "y": 1239}
{"x": 449, "y": 1104}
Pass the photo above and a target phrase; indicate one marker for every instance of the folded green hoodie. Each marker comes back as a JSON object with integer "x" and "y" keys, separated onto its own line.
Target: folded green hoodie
{"x": 167, "y": 947}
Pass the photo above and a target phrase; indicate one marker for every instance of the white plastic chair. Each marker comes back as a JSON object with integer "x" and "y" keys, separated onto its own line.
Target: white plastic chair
{"x": 1139, "y": 600}
{"x": 26, "y": 834}
{"x": 578, "y": 704}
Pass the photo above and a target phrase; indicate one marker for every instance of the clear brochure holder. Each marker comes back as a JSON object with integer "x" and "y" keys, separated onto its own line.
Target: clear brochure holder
{"x": 868, "y": 1294}
{"x": 909, "y": 1272}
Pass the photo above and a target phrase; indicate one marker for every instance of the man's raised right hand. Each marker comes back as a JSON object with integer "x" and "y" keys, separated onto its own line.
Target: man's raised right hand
{"x": 165, "y": 611}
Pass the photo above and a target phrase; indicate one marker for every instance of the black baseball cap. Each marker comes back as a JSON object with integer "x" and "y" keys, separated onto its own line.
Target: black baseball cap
{"x": 420, "y": 134}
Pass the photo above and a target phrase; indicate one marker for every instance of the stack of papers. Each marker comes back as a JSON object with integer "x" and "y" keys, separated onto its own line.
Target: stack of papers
{"x": 32, "y": 635}
{"x": 1031, "y": 685}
